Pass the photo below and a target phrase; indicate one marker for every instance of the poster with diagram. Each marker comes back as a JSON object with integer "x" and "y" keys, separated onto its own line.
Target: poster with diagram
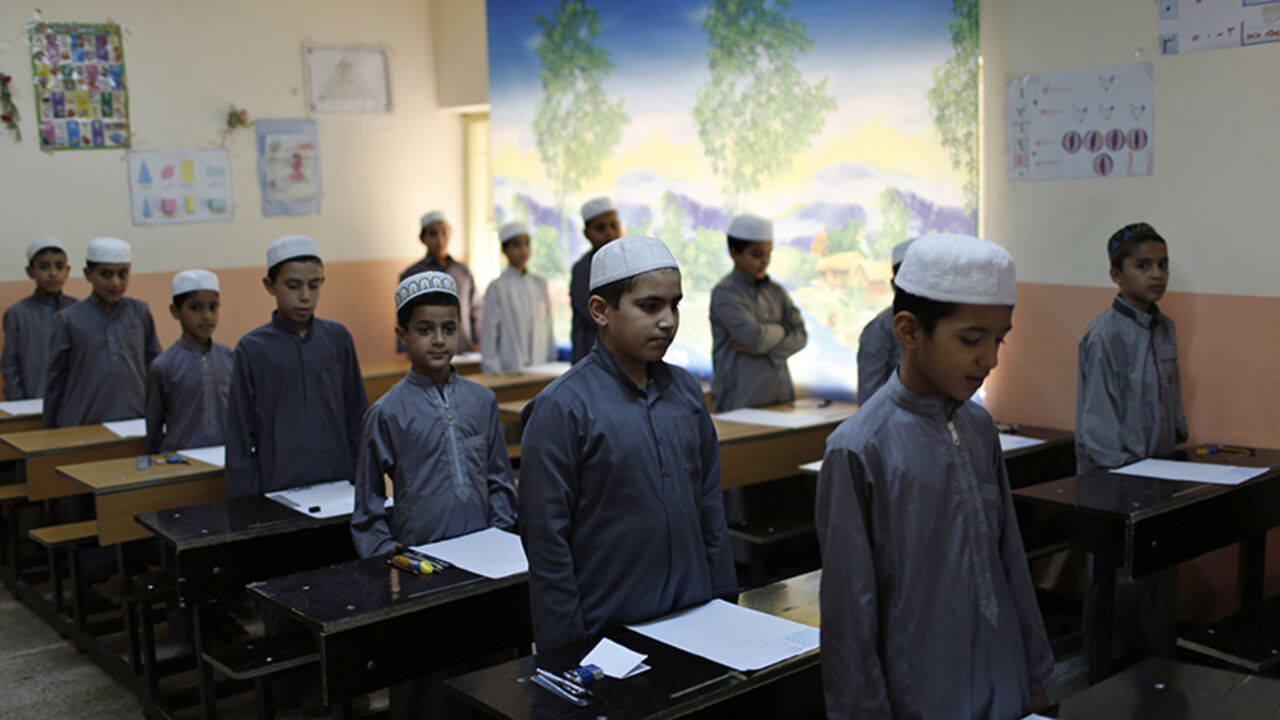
{"x": 348, "y": 78}
{"x": 1080, "y": 123}
{"x": 180, "y": 186}
{"x": 81, "y": 93}
{"x": 1193, "y": 25}
{"x": 288, "y": 167}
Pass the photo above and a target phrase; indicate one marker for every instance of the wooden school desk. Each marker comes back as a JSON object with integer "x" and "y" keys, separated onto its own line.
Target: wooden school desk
{"x": 751, "y": 454}
{"x": 677, "y": 685}
{"x": 1145, "y": 524}
{"x": 375, "y": 626}
{"x": 12, "y": 423}
{"x": 40, "y": 451}
{"x": 515, "y": 385}
{"x": 1157, "y": 689}
{"x": 379, "y": 377}
{"x": 510, "y": 410}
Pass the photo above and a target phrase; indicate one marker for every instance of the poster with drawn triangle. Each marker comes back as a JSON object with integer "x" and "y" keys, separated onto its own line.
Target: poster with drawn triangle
{"x": 1092, "y": 123}
{"x": 168, "y": 187}
{"x": 348, "y": 78}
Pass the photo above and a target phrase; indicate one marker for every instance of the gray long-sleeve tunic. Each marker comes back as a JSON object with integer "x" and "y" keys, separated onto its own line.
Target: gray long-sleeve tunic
{"x": 28, "y": 325}
{"x": 187, "y": 390}
{"x": 583, "y": 331}
{"x": 878, "y": 354}
{"x": 98, "y": 362}
{"x": 471, "y": 307}
{"x": 760, "y": 316}
{"x": 517, "y": 330}
{"x": 295, "y": 409}
{"x": 620, "y": 507}
{"x": 928, "y": 610}
{"x": 1129, "y": 391}
{"x": 447, "y": 460}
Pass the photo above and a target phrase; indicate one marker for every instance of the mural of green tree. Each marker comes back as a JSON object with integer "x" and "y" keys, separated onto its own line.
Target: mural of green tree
{"x": 954, "y": 98}
{"x": 577, "y": 125}
{"x": 756, "y": 113}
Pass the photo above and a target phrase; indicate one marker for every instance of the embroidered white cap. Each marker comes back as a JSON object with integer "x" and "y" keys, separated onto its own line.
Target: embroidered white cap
{"x": 39, "y": 246}
{"x": 290, "y": 247}
{"x": 193, "y": 280}
{"x": 434, "y": 216}
{"x": 512, "y": 229}
{"x": 751, "y": 227}
{"x": 627, "y": 257}
{"x": 959, "y": 269}
{"x": 109, "y": 250}
{"x": 431, "y": 281}
{"x": 596, "y": 207}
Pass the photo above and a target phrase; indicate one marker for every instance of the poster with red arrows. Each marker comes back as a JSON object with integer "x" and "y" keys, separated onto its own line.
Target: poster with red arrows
{"x": 1080, "y": 123}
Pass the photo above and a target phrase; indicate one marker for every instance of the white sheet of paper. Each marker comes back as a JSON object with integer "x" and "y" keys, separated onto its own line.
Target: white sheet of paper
{"x": 1014, "y": 442}
{"x": 34, "y": 406}
{"x": 468, "y": 357}
{"x": 128, "y": 428}
{"x": 1214, "y": 473}
{"x": 491, "y": 552}
{"x": 332, "y": 498}
{"x": 616, "y": 661}
{"x": 730, "y": 635}
{"x": 1036, "y": 716}
{"x": 773, "y": 418}
{"x": 214, "y": 454}
{"x": 813, "y": 467}
{"x": 551, "y": 368}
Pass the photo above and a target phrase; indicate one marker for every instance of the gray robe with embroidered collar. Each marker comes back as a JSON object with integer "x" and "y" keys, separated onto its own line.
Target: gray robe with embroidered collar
{"x": 583, "y": 330}
{"x": 98, "y": 362}
{"x": 471, "y": 307}
{"x": 620, "y": 507}
{"x": 759, "y": 315}
{"x": 187, "y": 389}
{"x": 447, "y": 460}
{"x": 295, "y": 408}
{"x": 928, "y": 610}
{"x": 1129, "y": 390}
{"x": 517, "y": 331}
{"x": 28, "y": 325}
{"x": 878, "y": 354}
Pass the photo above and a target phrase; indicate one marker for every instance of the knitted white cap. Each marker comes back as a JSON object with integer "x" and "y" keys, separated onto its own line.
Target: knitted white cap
{"x": 512, "y": 229}
{"x": 39, "y": 246}
{"x": 290, "y": 247}
{"x": 627, "y": 257}
{"x": 959, "y": 269}
{"x": 751, "y": 227}
{"x": 596, "y": 207}
{"x": 193, "y": 280}
{"x": 109, "y": 250}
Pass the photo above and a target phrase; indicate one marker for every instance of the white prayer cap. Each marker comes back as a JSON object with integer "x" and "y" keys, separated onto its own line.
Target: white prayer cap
{"x": 431, "y": 281}
{"x": 751, "y": 227}
{"x": 958, "y": 269}
{"x": 434, "y": 216}
{"x": 596, "y": 207}
{"x": 39, "y": 246}
{"x": 109, "y": 250}
{"x": 193, "y": 280}
{"x": 512, "y": 229}
{"x": 290, "y": 247}
{"x": 900, "y": 251}
{"x": 627, "y": 257}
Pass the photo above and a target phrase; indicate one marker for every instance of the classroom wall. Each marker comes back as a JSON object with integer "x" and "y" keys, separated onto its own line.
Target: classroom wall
{"x": 187, "y": 62}
{"x": 461, "y": 53}
{"x": 1211, "y": 194}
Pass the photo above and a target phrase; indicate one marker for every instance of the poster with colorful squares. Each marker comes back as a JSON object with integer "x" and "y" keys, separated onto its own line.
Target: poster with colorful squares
{"x": 82, "y": 96}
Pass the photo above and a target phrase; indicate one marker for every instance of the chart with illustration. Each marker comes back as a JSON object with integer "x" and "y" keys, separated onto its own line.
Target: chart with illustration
{"x": 81, "y": 93}
{"x": 180, "y": 186}
{"x": 1080, "y": 124}
{"x": 1194, "y": 25}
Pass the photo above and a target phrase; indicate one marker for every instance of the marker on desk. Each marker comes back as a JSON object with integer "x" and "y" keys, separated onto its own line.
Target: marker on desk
{"x": 410, "y": 565}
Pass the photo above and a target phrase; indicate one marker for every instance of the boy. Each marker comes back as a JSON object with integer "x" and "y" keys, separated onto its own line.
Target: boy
{"x": 187, "y": 385}
{"x": 297, "y": 397}
{"x": 600, "y": 226}
{"x": 878, "y": 349}
{"x": 425, "y": 430}
{"x": 620, "y": 507}
{"x": 1129, "y": 394}
{"x": 101, "y": 346}
{"x": 927, "y": 606}
{"x": 517, "y": 333}
{"x": 434, "y": 232}
{"x": 754, "y": 325}
{"x": 28, "y": 323}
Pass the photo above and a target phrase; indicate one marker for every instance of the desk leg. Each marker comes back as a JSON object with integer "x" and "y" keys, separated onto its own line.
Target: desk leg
{"x": 131, "y": 628}
{"x": 208, "y": 699}
{"x": 1100, "y": 610}
{"x": 1253, "y": 557}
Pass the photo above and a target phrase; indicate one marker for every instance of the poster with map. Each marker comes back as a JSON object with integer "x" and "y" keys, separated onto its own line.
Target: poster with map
{"x": 81, "y": 93}
{"x": 348, "y": 78}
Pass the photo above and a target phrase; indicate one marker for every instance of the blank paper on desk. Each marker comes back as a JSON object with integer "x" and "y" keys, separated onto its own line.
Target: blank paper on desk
{"x": 733, "y": 636}
{"x": 127, "y": 428}
{"x": 322, "y": 500}
{"x": 491, "y": 553}
{"x": 1015, "y": 442}
{"x": 1214, "y": 473}
{"x": 214, "y": 454}
{"x": 772, "y": 418}
{"x": 34, "y": 406}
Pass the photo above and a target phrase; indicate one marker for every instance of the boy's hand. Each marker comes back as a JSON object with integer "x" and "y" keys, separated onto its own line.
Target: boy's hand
{"x": 739, "y": 347}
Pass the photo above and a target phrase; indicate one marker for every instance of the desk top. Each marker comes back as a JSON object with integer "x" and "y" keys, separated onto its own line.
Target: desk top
{"x": 1050, "y": 436}
{"x": 795, "y": 599}
{"x": 224, "y": 521}
{"x": 120, "y": 474}
{"x": 1157, "y": 689}
{"x": 338, "y": 597}
{"x": 41, "y": 442}
{"x": 512, "y": 379}
{"x": 465, "y": 364}
{"x": 1129, "y": 498}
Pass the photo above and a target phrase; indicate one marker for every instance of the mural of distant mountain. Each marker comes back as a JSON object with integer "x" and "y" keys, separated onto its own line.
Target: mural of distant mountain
{"x": 838, "y": 128}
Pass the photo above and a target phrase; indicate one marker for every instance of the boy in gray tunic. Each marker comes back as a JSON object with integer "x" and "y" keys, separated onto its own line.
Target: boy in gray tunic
{"x": 600, "y": 227}
{"x": 434, "y": 232}
{"x": 517, "y": 330}
{"x": 928, "y": 610}
{"x": 297, "y": 397}
{"x": 28, "y": 323}
{"x": 878, "y": 348}
{"x": 620, "y": 508}
{"x": 754, "y": 325}
{"x": 1129, "y": 394}
{"x": 187, "y": 385}
{"x": 101, "y": 346}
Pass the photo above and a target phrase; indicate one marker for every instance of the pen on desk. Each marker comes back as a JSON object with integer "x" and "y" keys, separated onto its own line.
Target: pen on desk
{"x": 542, "y": 682}
{"x": 567, "y": 685}
{"x": 411, "y": 565}
{"x": 436, "y": 562}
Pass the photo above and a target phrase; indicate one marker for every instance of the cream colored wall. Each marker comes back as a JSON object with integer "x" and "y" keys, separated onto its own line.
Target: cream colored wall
{"x": 1212, "y": 189}
{"x": 462, "y": 52}
{"x": 187, "y": 61}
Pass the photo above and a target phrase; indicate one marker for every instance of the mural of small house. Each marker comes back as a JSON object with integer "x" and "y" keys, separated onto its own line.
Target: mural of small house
{"x": 856, "y": 271}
